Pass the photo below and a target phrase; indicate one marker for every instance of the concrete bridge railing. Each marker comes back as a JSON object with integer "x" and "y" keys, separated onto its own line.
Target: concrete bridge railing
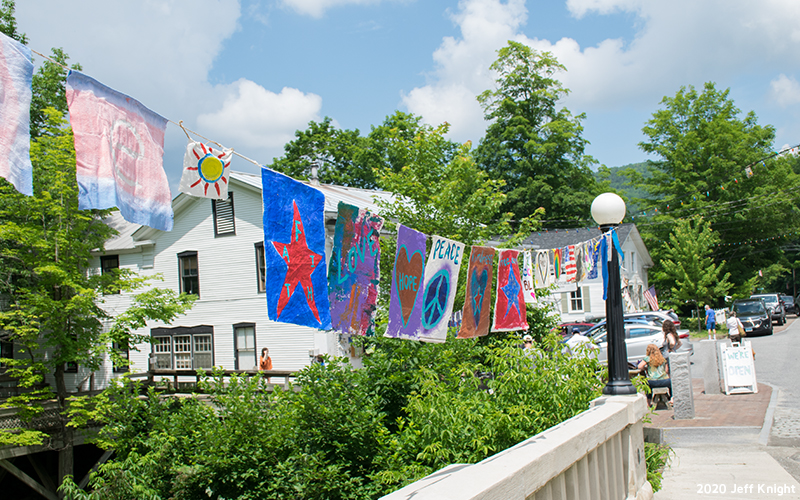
{"x": 598, "y": 454}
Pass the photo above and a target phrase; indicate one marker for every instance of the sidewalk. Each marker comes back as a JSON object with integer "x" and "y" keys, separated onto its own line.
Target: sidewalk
{"x": 722, "y": 452}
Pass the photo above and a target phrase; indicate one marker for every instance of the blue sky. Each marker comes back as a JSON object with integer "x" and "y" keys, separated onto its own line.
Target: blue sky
{"x": 249, "y": 73}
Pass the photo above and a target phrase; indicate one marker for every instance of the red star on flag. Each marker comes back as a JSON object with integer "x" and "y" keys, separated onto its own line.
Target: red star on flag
{"x": 300, "y": 262}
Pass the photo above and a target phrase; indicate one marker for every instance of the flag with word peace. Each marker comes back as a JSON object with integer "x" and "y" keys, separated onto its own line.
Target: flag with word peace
{"x": 441, "y": 279}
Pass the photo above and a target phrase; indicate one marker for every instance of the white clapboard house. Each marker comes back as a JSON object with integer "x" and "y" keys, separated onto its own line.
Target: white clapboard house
{"x": 584, "y": 301}
{"x": 216, "y": 250}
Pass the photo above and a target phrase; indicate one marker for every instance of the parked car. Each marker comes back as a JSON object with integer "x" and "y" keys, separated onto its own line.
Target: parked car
{"x": 654, "y": 318}
{"x": 790, "y": 305}
{"x": 774, "y": 306}
{"x": 567, "y": 328}
{"x": 637, "y": 337}
{"x": 754, "y": 315}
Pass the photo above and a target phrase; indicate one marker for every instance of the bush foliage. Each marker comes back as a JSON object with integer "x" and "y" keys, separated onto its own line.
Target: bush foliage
{"x": 345, "y": 433}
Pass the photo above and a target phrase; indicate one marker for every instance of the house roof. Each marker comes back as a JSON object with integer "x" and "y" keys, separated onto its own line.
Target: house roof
{"x": 556, "y": 238}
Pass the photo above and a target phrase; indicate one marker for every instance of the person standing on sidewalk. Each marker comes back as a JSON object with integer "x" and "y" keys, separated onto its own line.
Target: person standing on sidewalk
{"x": 735, "y": 327}
{"x": 711, "y": 322}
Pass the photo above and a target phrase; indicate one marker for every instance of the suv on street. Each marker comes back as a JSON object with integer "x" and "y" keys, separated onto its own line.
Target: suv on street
{"x": 754, "y": 316}
{"x": 790, "y": 305}
{"x": 774, "y": 306}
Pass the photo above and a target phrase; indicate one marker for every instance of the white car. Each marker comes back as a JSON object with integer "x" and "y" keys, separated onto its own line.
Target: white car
{"x": 637, "y": 337}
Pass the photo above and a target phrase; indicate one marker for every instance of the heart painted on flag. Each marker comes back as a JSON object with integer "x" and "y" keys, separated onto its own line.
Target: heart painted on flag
{"x": 478, "y": 288}
{"x": 542, "y": 269}
{"x": 408, "y": 275}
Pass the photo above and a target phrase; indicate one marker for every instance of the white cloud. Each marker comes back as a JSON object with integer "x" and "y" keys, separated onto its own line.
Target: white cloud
{"x": 785, "y": 90}
{"x": 317, "y": 8}
{"x": 258, "y": 119}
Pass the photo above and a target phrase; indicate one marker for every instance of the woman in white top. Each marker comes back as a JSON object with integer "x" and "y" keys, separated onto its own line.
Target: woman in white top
{"x": 733, "y": 323}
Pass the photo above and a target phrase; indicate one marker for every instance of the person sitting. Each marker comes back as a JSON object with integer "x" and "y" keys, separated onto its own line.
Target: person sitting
{"x": 656, "y": 369}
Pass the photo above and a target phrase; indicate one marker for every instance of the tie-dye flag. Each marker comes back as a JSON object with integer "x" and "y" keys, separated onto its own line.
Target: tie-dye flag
{"x": 405, "y": 302}
{"x": 205, "y": 171}
{"x": 441, "y": 278}
{"x": 294, "y": 251}
{"x": 119, "y": 149}
{"x": 354, "y": 270}
{"x": 478, "y": 300}
{"x": 555, "y": 264}
{"x": 16, "y": 72}
{"x": 509, "y": 306}
{"x": 528, "y": 290}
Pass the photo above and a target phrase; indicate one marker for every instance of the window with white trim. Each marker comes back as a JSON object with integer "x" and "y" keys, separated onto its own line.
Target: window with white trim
{"x": 244, "y": 346}
{"x": 188, "y": 274}
{"x": 576, "y": 300}
{"x": 183, "y": 348}
{"x": 261, "y": 267}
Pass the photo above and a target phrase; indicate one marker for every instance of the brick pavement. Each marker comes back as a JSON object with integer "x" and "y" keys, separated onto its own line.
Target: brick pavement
{"x": 719, "y": 410}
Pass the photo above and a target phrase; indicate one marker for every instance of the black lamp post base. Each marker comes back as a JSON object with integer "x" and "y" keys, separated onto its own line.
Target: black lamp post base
{"x": 619, "y": 388}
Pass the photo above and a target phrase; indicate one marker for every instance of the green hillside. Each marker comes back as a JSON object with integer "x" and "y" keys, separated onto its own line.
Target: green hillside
{"x": 619, "y": 182}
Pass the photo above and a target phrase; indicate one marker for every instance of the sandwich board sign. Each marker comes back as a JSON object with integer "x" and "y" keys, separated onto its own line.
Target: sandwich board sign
{"x": 738, "y": 370}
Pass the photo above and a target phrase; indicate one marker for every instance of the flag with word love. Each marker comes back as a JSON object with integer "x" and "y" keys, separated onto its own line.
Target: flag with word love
{"x": 441, "y": 278}
{"x": 119, "y": 150}
{"x": 16, "y": 73}
{"x": 206, "y": 171}
{"x": 528, "y": 289}
{"x": 354, "y": 270}
{"x": 294, "y": 252}
{"x": 509, "y": 306}
{"x": 478, "y": 300}
{"x": 405, "y": 301}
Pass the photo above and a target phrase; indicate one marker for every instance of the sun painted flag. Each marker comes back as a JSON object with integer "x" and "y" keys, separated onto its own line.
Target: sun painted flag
{"x": 651, "y": 298}
{"x": 528, "y": 290}
{"x": 405, "y": 301}
{"x": 294, "y": 251}
{"x": 206, "y": 171}
{"x": 119, "y": 149}
{"x": 354, "y": 270}
{"x": 478, "y": 300}
{"x": 16, "y": 72}
{"x": 569, "y": 264}
{"x": 441, "y": 278}
{"x": 509, "y": 306}
{"x": 541, "y": 269}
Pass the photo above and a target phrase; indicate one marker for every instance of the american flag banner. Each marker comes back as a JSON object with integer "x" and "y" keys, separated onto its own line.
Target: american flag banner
{"x": 650, "y": 296}
{"x": 570, "y": 268}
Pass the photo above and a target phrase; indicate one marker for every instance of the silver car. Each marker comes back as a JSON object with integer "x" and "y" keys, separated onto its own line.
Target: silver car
{"x": 637, "y": 337}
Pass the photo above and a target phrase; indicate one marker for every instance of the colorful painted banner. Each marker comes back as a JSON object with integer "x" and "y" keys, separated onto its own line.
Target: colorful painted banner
{"x": 205, "y": 167}
{"x": 354, "y": 270}
{"x": 119, "y": 149}
{"x": 581, "y": 267}
{"x": 528, "y": 289}
{"x": 509, "y": 306}
{"x": 16, "y": 73}
{"x": 594, "y": 245}
{"x": 478, "y": 300}
{"x": 569, "y": 266}
{"x": 405, "y": 301}
{"x": 555, "y": 264}
{"x": 541, "y": 271}
{"x": 441, "y": 279}
{"x": 294, "y": 250}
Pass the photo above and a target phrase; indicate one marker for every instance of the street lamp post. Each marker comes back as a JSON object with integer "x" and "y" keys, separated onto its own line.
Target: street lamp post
{"x": 608, "y": 210}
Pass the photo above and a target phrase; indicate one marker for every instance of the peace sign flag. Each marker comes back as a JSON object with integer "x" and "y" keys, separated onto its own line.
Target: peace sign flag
{"x": 441, "y": 278}
{"x": 478, "y": 301}
{"x": 509, "y": 306}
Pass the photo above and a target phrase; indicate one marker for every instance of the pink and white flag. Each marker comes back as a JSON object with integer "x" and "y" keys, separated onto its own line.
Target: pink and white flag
{"x": 16, "y": 72}
{"x": 570, "y": 267}
{"x": 119, "y": 149}
{"x": 206, "y": 171}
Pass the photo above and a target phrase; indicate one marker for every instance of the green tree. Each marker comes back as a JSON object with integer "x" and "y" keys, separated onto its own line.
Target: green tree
{"x": 702, "y": 147}
{"x": 8, "y": 23}
{"x": 686, "y": 267}
{"x": 533, "y": 145}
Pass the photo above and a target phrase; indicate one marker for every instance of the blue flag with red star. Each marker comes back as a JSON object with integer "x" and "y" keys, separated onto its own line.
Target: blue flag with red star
{"x": 294, "y": 250}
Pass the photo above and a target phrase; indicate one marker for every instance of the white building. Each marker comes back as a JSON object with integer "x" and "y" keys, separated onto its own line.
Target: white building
{"x": 584, "y": 301}
{"x": 216, "y": 250}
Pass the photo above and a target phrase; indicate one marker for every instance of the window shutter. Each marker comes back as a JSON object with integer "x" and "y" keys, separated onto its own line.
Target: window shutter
{"x": 564, "y": 302}
{"x": 587, "y": 306}
{"x": 224, "y": 220}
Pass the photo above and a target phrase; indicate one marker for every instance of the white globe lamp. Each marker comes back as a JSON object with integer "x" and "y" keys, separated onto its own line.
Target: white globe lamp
{"x": 608, "y": 209}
